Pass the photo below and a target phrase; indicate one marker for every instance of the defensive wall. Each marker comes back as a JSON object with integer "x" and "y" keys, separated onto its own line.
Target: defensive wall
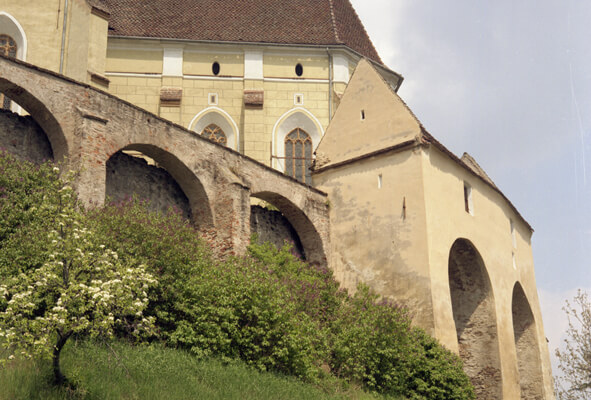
{"x": 88, "y": 129}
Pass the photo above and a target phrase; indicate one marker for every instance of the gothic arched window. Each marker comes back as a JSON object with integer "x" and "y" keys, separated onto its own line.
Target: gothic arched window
{"x": 215, "y": 133}
{"x": 7, "y": 48}
{"x": 298, "y": 155}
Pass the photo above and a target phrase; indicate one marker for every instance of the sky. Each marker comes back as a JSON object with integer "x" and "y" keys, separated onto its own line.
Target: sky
{"x": 509, "y": 82}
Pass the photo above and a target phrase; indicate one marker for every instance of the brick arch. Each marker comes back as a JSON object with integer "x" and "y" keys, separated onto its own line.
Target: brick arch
{"x": 473, "y": 307}
{"x": 310, "y": 238}
{"x": 527, "y": 346}
{"x": 192, "y": 187}
{"x": 40, "y": 112}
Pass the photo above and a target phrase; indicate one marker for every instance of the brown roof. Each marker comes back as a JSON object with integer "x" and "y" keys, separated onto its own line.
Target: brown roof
{"x": 304, "y": 22}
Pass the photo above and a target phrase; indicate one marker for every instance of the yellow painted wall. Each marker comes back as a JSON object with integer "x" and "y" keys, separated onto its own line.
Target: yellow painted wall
{"x": 280, "y": 66}
{"x": 197, "y": 63}
{"x": 132, "y": 60}
{"x": 255, "y": 124}
{"x": 42, "y": 26}
{"x": 42, "y": 23}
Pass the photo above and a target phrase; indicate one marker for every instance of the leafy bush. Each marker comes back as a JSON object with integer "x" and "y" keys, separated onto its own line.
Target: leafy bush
{"x": 267, "y": 307}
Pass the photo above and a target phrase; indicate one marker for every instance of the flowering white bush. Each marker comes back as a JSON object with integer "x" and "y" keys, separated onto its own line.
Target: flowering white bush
{"x": 82, "y": 288}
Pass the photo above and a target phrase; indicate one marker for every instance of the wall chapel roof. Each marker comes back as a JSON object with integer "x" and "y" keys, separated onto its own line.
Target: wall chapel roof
{"x": 303, "y": 22}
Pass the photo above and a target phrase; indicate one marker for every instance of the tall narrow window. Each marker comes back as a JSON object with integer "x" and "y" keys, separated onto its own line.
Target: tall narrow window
{"x": 7, "y": 48}
{"x": 215, "y": 133}
{"x": 468, "y": 199}
{"x": 298, "y": 155}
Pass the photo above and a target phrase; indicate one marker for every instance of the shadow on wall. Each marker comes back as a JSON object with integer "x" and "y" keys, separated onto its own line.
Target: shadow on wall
{"x": 129, "y": 176}
{"x": 24, "y": 138}
{"x": 475, "y": 319}
{"x": 272, "y": 226}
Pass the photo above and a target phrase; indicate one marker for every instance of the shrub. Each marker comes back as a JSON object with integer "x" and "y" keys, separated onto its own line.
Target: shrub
{"x": 267, "y": 307}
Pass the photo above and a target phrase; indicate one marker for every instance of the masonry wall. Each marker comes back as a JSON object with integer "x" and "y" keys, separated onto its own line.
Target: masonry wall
{"x": 129, "y": 176}
{"x": 23, "y": 137}
{"x": 271, "y": 226}
{"x": 488, "y": 228}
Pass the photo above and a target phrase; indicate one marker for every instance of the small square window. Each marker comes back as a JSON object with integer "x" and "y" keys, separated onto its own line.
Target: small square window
{"x": 212, "y": 99}
{"x": 468, "y": 206}
{"x": 298, "y": 99}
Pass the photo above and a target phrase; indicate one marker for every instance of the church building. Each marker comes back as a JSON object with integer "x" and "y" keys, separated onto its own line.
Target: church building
{"x": 298, "y": 87}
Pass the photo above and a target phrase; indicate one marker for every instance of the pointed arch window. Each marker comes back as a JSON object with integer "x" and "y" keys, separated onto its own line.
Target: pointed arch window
{"x": 7, "y": 48}
{"x": 215, "y": 133}
{"x": 298, "y": 155}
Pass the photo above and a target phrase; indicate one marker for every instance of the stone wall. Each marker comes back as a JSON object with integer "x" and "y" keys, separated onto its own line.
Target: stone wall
{"x": 272, "y": 226}
{"x": 129, "y": 176}
{"x": 23, "y": 137}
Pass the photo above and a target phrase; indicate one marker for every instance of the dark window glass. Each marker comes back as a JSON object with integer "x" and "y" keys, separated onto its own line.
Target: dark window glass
{"x": 299, "y": 70}
{"x": 215, "y": 68}
{"x": 298, "y": 155}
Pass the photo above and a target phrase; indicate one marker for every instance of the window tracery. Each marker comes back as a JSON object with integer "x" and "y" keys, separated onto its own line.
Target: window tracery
{"x": 7, "y": 48}
{"x": 215, "y": 133}
{"x": 298, "y": 155}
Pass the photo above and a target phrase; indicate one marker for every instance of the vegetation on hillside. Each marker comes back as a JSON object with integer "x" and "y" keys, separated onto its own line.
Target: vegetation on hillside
{"x": 267, "y": 308}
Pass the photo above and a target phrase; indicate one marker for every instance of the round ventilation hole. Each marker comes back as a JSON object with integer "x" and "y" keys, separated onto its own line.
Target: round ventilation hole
{"x": 299, "y": 70}
{"x": 215, "y": 68}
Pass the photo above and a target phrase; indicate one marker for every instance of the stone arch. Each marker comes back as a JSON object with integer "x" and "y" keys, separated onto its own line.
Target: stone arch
{"x": 526, "y": 346}
{"x": 295, "y": 118}
{"x": 309, "y": 237}
{"x": 475, "y": 319}
{"x": 219, "y": 117}
{"x": 11, "y": 27}
{"x": 200, "y": 210}
{"x": 41, "y": 114}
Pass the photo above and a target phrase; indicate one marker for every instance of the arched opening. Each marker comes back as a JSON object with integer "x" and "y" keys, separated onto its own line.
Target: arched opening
{"x": 8, "y": 48}
{"x": 160, "y": 178}
{"x": 298, "y": 155}
{"x": 475, "y": 319}
{"x": 526, "y": 346}
{"x": 217, "y": 125}
{"x": 280, "y": 220}
{"x": 296, "y": 120}
{"x": 37, "y": 136}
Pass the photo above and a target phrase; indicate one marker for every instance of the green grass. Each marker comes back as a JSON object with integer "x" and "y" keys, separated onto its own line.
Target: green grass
{"x": 121, "y": 371}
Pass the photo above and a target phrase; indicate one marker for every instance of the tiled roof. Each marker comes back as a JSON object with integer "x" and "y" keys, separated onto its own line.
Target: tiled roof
{"x": 305, "y": 22}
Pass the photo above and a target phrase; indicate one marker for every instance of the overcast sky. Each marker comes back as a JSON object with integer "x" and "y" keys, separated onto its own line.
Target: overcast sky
{"x": 510, "y": 83}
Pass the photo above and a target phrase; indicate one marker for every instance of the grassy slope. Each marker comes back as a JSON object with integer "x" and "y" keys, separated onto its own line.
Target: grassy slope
{"x": 125, "y": 372}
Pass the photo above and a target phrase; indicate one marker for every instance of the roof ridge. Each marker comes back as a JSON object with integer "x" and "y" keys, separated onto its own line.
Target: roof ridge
{"x": 334, "y": 21}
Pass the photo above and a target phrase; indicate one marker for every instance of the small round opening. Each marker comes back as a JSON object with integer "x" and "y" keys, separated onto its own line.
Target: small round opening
{"x": 215, "y": 68}
{"x": 299, "y": 70}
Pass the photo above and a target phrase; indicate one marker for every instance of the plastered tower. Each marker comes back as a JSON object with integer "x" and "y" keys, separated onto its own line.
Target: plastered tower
{"x": 433, "y": 232}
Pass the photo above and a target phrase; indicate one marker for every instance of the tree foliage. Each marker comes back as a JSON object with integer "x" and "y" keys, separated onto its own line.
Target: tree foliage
{"x": 575, "y": 359}
{"x": 93, "y": 272}
{"x": 82, "y": 288}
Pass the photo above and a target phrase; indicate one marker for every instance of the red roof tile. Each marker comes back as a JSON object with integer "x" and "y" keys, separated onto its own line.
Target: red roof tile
{"x": 305, "y": 22}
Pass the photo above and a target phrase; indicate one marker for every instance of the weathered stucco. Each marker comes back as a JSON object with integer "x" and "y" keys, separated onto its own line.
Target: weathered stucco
{"x": 398, "y": 221}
